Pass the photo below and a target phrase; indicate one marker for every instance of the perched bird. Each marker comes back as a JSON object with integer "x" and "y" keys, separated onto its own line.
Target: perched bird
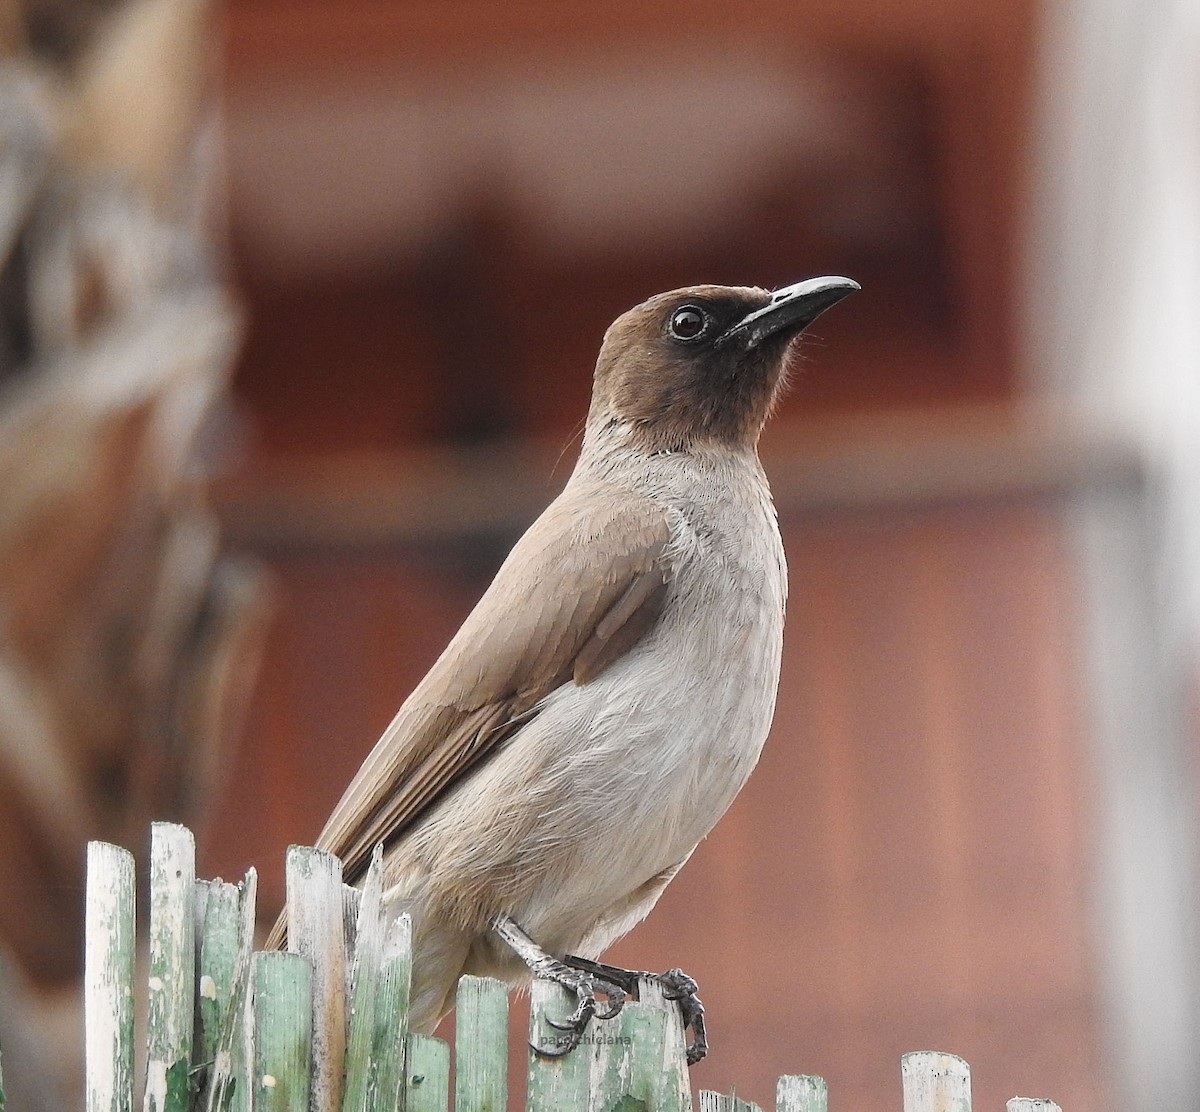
{"x": 609, "y": 695}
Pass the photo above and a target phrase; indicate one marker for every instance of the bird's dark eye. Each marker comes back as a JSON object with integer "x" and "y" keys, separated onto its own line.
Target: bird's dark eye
{"x": 688, "y": 323}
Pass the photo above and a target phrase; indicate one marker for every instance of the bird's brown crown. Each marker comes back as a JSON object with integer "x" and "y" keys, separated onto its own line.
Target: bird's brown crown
{"x": 704, "y": 364}
{"x": 662, "y": 371}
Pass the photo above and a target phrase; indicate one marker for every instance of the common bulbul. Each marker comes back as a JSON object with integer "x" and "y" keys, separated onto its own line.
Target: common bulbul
{"x": 609, "y": 695}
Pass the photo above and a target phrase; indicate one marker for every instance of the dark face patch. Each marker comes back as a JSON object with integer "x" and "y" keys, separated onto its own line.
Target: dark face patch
{"x": 664, "y": 369}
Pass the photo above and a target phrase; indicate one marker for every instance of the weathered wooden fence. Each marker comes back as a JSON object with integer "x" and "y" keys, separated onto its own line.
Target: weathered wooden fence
{"x": 323, "y": 1028}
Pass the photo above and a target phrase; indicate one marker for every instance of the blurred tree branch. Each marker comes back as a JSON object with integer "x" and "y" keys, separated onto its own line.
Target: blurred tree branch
{"x": 127, "y": 637}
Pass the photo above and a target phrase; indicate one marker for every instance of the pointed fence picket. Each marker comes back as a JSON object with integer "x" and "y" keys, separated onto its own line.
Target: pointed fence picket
{"x": 323, "y": 1028}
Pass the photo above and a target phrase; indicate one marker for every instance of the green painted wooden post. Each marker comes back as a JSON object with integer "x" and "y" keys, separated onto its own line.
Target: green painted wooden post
{"x": 801, "y": 1093}
{"x": 391, "y": 1014}
{"x": 220, "y": 944}
{"x": 282, "y": 1033}
{"x": 218, "y": 950}
{"x": 379, "y": 987}
{"x": 364, "y": 983}
{"x": 635, "y": 1061}
{"x": 654, "y": 1044}
{"x": 108, "y": 979}
{"x": 316, "y": 929}
{"x": 481, "y": 1045}
{"x": 171, "y": 1008}
{"x": 935, "y": 1082}
{"x": 228, "y": 1082}
{"x": 617, "y": 1072}
{"x": 554, "y": 1083}
{"x": 427, "y": 1074}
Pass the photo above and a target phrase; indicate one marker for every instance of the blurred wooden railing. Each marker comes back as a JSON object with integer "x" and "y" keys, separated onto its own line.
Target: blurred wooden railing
{"x": 442, "y": 495}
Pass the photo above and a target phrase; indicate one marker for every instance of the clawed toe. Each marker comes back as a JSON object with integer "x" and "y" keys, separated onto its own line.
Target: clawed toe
{"x": 585, "y": 987}
{"x": 676, "y": 984}
{"x": 588, "y": 1008}
{"x": 580, "y": 1018}
{"x": 581, "y": 985}
{"x": 615, "y": 997}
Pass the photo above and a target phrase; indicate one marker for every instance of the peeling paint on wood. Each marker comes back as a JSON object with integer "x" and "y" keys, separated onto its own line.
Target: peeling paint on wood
{"x": 270, "y": 1029}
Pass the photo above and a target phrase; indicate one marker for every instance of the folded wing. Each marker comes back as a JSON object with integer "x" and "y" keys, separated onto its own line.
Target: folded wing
{"x": 580, "y": 589}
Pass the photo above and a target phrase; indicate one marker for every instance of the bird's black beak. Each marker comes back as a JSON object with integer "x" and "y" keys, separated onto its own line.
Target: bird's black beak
{"x": 790, "y": 310}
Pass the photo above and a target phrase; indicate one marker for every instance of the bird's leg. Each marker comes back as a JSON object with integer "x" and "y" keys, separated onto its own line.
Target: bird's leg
{"x": 579, "y": 982}
{"x": 677, "y": 985}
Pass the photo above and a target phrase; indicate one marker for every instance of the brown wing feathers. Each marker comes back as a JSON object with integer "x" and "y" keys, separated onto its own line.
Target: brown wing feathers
{"x": 623, "y": 626}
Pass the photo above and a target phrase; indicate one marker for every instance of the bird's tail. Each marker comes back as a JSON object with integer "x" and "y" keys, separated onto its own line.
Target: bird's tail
{"x": 277, "y": 939}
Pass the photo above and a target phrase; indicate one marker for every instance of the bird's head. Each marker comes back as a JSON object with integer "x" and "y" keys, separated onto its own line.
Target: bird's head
{"x": 703, "y": 365}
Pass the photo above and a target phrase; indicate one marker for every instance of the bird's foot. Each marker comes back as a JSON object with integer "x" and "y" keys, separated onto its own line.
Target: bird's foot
{"x": 585, "y": 988}
{"x": 676, "y": 984}
{"x": 579, "y": 982}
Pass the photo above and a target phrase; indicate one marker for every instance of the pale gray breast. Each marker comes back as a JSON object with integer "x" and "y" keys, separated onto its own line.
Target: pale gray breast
{"x": 722, "y": 627}
{"x": 724, "y": 530}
